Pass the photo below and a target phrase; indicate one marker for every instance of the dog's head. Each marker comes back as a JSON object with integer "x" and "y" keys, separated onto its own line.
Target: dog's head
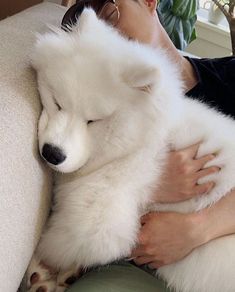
{"x": 85, "y": 77}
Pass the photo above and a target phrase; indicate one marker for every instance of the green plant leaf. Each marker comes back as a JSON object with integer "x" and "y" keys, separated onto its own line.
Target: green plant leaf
{"x": 185, "y": 9}
{"x": 178, "y": 18}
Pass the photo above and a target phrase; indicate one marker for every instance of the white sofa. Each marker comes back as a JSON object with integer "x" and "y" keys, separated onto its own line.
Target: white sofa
{"x": 25, "y": 182}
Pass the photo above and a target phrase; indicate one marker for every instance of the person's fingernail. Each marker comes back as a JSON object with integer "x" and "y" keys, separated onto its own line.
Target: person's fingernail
{"x": 130, "y": 259}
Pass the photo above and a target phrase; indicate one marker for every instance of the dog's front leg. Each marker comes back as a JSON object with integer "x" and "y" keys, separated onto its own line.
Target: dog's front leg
{"x": 66, "y": 278}
{"x": 40, "y": 277}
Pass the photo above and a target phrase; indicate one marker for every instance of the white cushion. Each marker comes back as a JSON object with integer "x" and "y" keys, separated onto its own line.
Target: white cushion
{"x": 25, "y": 182}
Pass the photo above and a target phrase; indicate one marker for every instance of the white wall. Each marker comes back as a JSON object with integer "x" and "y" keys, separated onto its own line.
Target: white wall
{"x": 212, "y": 40}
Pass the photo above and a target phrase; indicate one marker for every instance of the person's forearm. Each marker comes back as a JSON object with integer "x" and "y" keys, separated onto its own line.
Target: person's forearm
{"x": 217, "y": 220}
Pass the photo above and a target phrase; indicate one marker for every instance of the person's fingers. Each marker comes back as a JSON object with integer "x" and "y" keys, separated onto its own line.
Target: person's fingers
{"x": 143, "y": 260}
{"x": 155, "y": 265}
{"x": 137, "y": 252}
{"x": 191, "y": 151}
{"x": 146, "y": 217}
{"x": 204, "y": 188}
{"x": 207, "y": 171}
{"x": 200, "y": 162}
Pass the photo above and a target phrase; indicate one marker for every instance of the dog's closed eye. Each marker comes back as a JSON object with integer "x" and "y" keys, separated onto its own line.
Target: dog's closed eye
{"x": 58, "y": 106}
{"x": 93, "y": 121}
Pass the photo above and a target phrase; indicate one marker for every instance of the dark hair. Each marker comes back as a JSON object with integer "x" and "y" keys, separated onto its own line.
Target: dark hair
{"x": 71, "y": 16}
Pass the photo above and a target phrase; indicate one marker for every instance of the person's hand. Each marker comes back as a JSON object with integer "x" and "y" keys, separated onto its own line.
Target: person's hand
{"x": 165, "y": 238}
{"x": 183, "y": 170}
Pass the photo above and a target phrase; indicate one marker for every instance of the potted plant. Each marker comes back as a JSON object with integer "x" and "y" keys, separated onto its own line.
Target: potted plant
{"x": 178, "y": 18}
{"x": 228, "y": 9}
{"x": 215, "y": 15}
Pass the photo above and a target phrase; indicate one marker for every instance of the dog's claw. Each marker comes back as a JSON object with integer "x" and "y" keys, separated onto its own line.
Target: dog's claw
{"x": 71, "y": 280}
{"x": 34, "y": 278}
{"x": 46, "y": 286}
{"x": 42, "y": 278}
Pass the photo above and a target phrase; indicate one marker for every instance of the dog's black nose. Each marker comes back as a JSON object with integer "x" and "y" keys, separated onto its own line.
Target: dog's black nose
{"x": 53, "y": 154}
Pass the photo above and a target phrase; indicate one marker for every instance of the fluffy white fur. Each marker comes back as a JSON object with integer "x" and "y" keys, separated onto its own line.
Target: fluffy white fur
{"x": 134, "y": 96}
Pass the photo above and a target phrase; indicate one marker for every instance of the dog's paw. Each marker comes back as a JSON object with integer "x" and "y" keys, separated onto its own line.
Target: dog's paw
{"x": 60, "y": 289}
{"x": 41, "y": 278}
{"x": 66, "y": 279}
{"x": 38, "y": 273}
{"x": 44, "y": 286}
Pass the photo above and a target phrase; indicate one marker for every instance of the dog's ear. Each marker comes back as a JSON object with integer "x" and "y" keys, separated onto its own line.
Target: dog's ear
{"x": 88, "y": 20}
{"x": 141, "y": 76}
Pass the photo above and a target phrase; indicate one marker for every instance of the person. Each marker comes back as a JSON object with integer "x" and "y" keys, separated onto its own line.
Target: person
{"x": 168, "y": 236}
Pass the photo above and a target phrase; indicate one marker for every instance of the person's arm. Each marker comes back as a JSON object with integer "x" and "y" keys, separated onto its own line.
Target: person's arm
{"x": 180, "y": 176}
{"x": 218, "y": 220}
{"x": 168, "y": 237}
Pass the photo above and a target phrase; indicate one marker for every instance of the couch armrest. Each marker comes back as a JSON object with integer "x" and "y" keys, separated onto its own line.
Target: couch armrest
{"x": 25, "y": 182}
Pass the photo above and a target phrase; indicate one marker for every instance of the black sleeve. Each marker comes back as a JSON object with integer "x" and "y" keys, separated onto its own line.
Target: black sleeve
{"x": 216, "y": 83}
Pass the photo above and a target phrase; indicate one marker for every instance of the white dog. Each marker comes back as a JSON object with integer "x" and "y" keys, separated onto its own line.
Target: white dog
{"x": 112, "y": 109}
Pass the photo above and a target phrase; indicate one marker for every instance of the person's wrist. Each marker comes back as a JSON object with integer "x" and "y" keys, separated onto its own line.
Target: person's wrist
{"x": 215, "y": 221}
{"x": 200, "y": 228}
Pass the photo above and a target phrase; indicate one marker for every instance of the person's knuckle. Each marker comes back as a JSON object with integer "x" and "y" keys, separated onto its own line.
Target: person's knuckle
{"x": 179, "y": 156}
{"x": 209, "y": 186}
{"x": 215, "y": 169}
{"x": 204, "y": 189}
{"x": 137, "y": 261}
{"x": 184, "y": 169}
{"x": 162, "y": 260}
{"x": 211, "y": 156}
{"x": 187, "y": 187}
{"x": 190, "y": 183}
{"x": 148, "y": 250}
{"x": 151, "y": 214}
{"x": 157, "y": 258}
{"x": 185, "y": 194}
{"x": 207, "y": 158}
{"x": 207, "y": 189}
{"x": 142, "y": 240}
{"x": 198, "y": 192}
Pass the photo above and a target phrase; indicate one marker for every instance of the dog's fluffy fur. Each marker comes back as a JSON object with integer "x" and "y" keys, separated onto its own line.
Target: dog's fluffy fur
{"x": 134, "y": 96}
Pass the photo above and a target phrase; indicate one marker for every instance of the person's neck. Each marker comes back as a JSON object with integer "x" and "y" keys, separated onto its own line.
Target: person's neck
{"x": 188, "y": 73}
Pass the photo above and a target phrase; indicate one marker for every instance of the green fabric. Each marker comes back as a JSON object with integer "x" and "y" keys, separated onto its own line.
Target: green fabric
{"x": 121, "y": 277}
